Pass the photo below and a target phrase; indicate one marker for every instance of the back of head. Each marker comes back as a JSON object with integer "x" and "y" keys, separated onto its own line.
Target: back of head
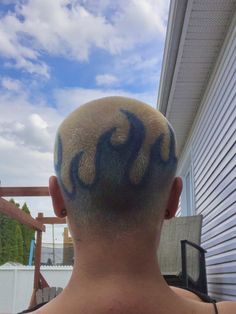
{"x": 115, "y": 161}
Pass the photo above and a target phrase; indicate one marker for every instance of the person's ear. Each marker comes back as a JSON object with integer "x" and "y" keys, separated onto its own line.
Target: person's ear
{"x": 173, "y": 200}
{"x": 57, "y": 199}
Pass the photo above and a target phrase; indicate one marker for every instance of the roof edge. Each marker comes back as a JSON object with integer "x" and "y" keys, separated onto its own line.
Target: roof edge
{"x": 173, "y": 35}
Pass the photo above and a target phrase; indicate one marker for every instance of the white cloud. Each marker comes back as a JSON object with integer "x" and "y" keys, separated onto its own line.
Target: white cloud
{"x": 141, "y": 21}
{"x": 28, "y": 125}
{"x": 138, "y": 62}
{"x": 31, "y": 132}
{"x": 19, "y": 55}
{"x": 142, "y": 68}
{"x": 37, "y": 121}
{"x": 72, "y": 28}
{"x": 69, "y": 99}
{"x": 39, "y": 68}
{"x": 11, "y": 84}
{"x": 23, "y": 166}
{"x": 106, "y": 79}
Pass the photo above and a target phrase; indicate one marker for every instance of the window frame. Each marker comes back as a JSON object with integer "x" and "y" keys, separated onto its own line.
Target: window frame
{"x": 187, "y": 173}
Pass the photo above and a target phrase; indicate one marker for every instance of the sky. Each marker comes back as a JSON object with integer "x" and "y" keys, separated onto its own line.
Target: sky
{"x": 55, "y": 56}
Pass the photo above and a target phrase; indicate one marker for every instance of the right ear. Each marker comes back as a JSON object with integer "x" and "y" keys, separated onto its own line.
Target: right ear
{"x": 57, "y": 199}
{"x": 173, "y": 200}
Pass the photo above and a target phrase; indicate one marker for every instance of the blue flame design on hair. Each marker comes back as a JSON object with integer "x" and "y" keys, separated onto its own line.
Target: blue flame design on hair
{"x": 113, "y": 162}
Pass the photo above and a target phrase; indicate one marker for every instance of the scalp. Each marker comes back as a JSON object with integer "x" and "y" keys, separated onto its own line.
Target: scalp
{"x": 83, "y": 128}
{"x": 114, "y": 153}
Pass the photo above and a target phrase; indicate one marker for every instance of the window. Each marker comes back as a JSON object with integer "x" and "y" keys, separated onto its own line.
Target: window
{"x": 187, "y": 197}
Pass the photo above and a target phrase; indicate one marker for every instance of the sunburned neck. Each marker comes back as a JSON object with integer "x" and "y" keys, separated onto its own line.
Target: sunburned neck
{"x": 118, "y": 276}
{"x": 122, "y": 256}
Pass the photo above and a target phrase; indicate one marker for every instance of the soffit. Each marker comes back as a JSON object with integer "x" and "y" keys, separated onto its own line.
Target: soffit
{"x": 203, "y": 31}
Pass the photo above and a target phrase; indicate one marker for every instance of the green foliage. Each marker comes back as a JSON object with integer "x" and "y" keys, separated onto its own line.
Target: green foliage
{"x": 9, "y": 241}
{"x": 0, "y": 248}
{"x": 19, "y": 245}
{"x": 12, "y": 201}
{"x": 28, "y": 235}
{"x": 3, "y": 229}
{"x": 14, "y": 238}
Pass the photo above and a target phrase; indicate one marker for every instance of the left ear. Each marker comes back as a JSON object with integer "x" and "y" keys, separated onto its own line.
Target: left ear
{"x": 173, "y": 201}
{"x": 57, "y": 199}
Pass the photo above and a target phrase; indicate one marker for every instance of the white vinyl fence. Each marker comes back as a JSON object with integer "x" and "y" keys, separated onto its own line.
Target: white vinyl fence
{"x": 16, "y": 284}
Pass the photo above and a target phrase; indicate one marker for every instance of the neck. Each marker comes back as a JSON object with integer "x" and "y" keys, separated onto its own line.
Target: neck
{"x": 119, "y": 275}
{"x": 129, "y": 257}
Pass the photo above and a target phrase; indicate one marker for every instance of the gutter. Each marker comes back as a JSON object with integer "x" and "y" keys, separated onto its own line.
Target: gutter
{"x": 173, "y": 35}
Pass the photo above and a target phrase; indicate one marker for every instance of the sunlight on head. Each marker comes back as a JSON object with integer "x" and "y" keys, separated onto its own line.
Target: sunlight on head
{"x": 115, "y": 158}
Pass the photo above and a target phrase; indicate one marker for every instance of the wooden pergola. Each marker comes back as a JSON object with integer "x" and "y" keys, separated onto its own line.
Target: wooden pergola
{"x": 37, "y": 224}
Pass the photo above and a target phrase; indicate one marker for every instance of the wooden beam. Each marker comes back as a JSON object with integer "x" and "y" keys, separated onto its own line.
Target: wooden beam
{"x": 52, "y": 220}
{"x": 37, "y": 259}
{"x": 14, "y": 212}
{"x": 43, "y": 281}
{"x": 24, "y": 191}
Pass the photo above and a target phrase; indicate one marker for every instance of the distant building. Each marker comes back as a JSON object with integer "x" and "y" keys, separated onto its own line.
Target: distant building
{"x": 52, "y": 254}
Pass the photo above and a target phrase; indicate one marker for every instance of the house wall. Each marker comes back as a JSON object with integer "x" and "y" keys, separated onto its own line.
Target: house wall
{"x": 212, "y": 147}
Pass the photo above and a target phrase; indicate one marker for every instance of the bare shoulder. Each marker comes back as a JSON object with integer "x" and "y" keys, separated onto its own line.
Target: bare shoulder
{"x": 185, "y": 293}
{"x": 226, "y": 307}
{"x": 40, "y": 310}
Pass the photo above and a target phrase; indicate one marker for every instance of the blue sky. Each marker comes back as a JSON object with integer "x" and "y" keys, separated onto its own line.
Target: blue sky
{"x": 55, "y": 56}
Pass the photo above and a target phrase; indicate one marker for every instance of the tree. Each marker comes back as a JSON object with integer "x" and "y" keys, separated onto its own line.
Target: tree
{"x": 3, "y": 221}
{"x": 9, "y": 240}
{"x": 19, "y": 245}
{"x": 0, "y": 247}
{"x": 13, "y": 202}
{"x": 15, "y": 238}
{"x": 28, "y": 235}
{"x": 5, "y": 240}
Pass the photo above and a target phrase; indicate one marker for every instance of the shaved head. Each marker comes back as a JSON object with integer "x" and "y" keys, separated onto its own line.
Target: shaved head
{"x": 115, "y": 160}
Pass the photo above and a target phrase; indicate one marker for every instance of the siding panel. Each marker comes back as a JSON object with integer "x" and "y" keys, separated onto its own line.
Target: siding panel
{"x": 223, "y": 291}
{"x": 219, "y": 219}
{"x": 219, "y": 139}
{"x": 223, "y": 192}
{"x": 222, "y": 248}
{"x": 217, "y": 238}
{"x": 227, "y": 225}
{"x": 229, "y": 204}
{"x": 226, "y": 268}
{"x": 219, "y": 89}
{"x": 213, "y": 151}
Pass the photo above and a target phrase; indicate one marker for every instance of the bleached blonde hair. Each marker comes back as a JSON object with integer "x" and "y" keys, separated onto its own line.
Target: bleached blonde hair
{"x": 115, "y": 159}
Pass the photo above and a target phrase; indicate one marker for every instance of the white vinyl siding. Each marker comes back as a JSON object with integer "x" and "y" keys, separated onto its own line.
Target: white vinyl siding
{"x": 213, "y": 153}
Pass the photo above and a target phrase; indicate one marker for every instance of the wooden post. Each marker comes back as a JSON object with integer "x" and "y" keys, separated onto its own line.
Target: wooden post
{"x": 37, "y": 259}
{"x": 37, "y": 263}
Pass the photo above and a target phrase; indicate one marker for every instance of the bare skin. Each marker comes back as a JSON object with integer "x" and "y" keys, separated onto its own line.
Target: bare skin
{"x": 122, "y": 275}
